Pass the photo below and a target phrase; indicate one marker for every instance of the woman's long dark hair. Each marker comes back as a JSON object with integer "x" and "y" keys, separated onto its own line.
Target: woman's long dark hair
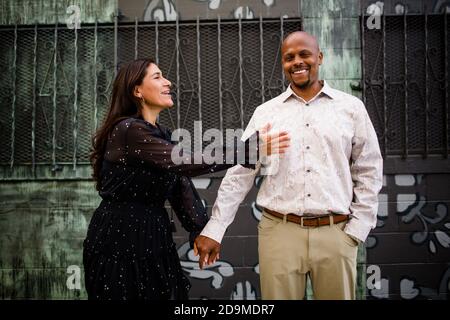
{"x": 123, "y": 105}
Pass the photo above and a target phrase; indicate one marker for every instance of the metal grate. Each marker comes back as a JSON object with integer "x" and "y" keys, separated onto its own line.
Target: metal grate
{"x": 55, "y": 82}
{"x": 7, "y": 88}
{"x": 405, "y": 83}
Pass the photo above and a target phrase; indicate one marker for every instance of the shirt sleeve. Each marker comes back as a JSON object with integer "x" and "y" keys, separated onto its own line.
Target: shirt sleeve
{"x": 367, "y": 175}
{"x": 186, "y": 202}
{"x": 234, "y": 187}
{"x": 146, "y": 148}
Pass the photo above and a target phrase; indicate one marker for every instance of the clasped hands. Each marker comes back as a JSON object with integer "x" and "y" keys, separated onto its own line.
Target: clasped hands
{"x": 208, "y": 249}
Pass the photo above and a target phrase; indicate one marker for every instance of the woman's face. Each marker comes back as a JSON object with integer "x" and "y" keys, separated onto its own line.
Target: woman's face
{"x": 155, "y": 89}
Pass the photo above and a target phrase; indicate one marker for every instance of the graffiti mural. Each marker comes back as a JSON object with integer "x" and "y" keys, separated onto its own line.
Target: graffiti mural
{"x": 212, "y": 4}
{"x": 243, "y": 291}
{"x": 411, "y": 243}
{"x": 214, "y": 272}
{"x": 160, "y": 10}
{"x": 170, "y": 10}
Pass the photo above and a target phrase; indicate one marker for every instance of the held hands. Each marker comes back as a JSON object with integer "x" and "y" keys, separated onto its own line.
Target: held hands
{"x": 276, "y": 143}
{"x": 208, "y": 249}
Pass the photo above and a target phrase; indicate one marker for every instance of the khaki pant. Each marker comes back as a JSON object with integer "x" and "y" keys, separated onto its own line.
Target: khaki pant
{"x": 288, "y": 252}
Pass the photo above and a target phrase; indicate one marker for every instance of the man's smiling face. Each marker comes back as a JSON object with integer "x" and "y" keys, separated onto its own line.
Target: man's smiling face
{"x": 301, "y": 59}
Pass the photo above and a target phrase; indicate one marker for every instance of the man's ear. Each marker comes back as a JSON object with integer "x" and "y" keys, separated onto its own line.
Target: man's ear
{"x": 320, "y": 58}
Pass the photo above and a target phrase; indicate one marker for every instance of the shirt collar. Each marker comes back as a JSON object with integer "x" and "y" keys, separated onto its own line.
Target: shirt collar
{"x": 326, "y": 89}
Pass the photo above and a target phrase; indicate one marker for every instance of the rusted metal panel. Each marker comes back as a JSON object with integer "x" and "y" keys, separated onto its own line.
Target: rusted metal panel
{"x": 42, "y": 226}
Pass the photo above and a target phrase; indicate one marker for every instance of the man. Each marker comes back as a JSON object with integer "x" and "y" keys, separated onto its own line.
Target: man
{"x": 322, "y": 200}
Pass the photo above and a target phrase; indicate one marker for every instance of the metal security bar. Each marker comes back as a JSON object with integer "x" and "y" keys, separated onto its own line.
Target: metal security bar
{"x": 405, "y": 88}
{"x": 55, "y": 82}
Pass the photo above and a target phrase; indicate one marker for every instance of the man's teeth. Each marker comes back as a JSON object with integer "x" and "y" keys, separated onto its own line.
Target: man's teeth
{"x": 300, "y": 71}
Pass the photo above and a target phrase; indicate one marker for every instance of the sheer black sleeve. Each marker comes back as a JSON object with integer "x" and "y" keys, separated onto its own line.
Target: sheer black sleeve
{"x": 188, "y": 207}
{"x": 145, "y": 147}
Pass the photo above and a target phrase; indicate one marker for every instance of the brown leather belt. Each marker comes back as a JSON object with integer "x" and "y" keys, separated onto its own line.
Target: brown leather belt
{"x": 309, "y": 221}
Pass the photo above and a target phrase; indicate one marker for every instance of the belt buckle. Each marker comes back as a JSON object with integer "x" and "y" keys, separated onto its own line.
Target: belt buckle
{"x": 308, "y": 218}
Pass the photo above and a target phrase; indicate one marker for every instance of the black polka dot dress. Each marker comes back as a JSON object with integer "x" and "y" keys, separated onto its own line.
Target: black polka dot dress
{"x": 129, "y": 252}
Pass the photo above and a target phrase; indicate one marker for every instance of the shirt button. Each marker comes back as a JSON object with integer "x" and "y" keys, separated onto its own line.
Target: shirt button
{"x": 307, "y": 147}
{"x": 307, "y": 124}
{"x": 307, "y": 104}
{"x": 308, "y": 170}
{"x": 309, "y": 194}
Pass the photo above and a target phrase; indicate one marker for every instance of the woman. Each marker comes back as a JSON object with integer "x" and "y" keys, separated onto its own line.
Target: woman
{"x": 129, "y": 252}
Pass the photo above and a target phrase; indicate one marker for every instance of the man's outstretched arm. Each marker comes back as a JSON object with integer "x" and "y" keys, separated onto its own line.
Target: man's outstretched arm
{"x": 234, "y": 187}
